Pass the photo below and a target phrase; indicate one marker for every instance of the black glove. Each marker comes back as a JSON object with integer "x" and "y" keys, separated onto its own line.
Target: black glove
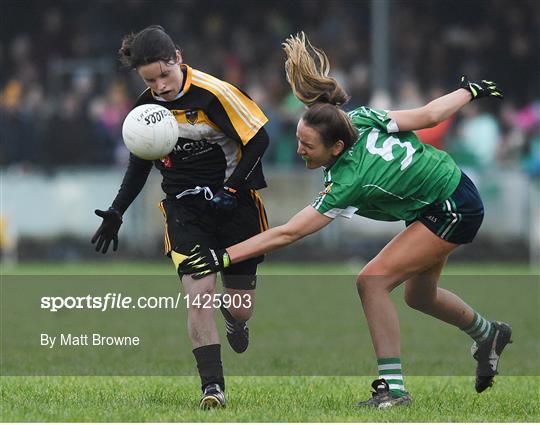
{"x": 108, "y": 231}
{"x": 226, "y": 199}
{"x": 480, "y": 89}
{"x": 204, "y": 261}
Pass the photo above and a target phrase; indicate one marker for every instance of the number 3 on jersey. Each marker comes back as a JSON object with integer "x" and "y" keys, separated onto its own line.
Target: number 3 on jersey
{"x": 385, "y": 151}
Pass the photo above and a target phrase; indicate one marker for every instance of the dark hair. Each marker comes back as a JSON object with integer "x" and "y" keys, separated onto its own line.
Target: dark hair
{"x": 331, "y": 123}
{"x": 149, "y": 45}
{"x": 307, "y": 69}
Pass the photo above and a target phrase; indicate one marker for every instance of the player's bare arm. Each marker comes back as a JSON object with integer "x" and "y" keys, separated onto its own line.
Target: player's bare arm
{"x": 432, "y": 113}
{"x": 445, "y": 106}
{"x": 206, "y": 260}
{"x": 307, "y": 221}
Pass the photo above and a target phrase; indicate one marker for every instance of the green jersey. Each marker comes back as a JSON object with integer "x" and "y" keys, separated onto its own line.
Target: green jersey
{"x": 387, "y": 174}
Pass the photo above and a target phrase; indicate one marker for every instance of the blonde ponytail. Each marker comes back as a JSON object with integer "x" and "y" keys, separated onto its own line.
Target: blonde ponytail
{"x": 307, "y": 70}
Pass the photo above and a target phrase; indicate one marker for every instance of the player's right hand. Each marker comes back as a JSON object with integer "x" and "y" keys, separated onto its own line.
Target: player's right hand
{"x": 204, "y": 261}
{"x": 108, "y": 231}
{"x": 478, "y": 89}
{"x": 226, "y": 199}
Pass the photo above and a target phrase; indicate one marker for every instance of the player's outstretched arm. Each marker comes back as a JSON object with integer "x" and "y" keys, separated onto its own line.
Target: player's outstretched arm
{"x": 133, "y": 182}
{"x": 204, "y": 261}
{"x": 304, "y": 223}
{"x": 445, "y": 106}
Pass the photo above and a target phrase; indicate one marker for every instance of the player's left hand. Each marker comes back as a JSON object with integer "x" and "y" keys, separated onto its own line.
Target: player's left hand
{"x": 204, "y": 261}
{"x": 226, "y": 199}
{"x": 478, "y": 89}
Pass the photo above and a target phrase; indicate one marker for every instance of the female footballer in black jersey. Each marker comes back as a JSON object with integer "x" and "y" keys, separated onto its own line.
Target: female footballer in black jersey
{"x": 210, "y": 180}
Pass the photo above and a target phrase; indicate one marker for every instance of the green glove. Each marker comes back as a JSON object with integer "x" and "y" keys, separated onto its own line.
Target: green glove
{"x": 204, "y": 261}
{"x": 478, "y": 89}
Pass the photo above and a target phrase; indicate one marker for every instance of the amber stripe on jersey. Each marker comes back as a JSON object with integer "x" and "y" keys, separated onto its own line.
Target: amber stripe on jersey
{"x": 244, "y": 114}
{"x": 238, "y": 100}
{"x": 263, "y": 219}
{"x": 167, "y": 241}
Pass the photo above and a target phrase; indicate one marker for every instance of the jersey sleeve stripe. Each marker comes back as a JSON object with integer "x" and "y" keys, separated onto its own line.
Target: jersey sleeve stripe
{"x": 233, "y": 95}
{"x": 318, "y": 202}
{"x": 341, "y": 212}
{"x": 245, "y": 127}
{"x": 229, "y": 100}
{"x": 392, "y": 127}
{"x": 333, "y": 213}
{"x": 244, "y": 114}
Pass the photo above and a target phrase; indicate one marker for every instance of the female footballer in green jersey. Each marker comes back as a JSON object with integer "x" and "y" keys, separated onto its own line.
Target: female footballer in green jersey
{"x": 375, "y": 166}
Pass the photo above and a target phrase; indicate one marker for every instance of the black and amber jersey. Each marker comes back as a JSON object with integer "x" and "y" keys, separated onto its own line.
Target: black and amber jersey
{"x": 217, "y": 123}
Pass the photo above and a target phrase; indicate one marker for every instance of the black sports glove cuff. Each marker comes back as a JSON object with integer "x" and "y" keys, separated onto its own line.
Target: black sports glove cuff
{"x": 116, "y": 212}
{"x": 204, "y": 261}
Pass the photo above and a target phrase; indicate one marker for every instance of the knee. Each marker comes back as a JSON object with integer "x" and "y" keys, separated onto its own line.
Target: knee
{"x": 201, "y": 297}
{"x": 373, "y": 277}
{"x": 205, "y": 290}
{"x": 239, "y": 304}
{"x": 241, "y": 314}
{"x": 361, "y": 284}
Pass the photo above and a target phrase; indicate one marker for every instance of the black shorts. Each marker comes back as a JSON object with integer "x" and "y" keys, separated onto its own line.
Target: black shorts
{"x": 458, "y": 218}
{"x": 194, "y": 220}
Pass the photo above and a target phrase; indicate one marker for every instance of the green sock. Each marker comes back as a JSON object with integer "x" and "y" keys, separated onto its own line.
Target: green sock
{"x": 390, "y": 371}
{"x": 480, "y": 329}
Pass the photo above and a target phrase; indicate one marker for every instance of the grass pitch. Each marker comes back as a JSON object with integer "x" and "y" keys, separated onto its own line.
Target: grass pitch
{"x": 262, "y": 399}
{"x": 429, "y": 347}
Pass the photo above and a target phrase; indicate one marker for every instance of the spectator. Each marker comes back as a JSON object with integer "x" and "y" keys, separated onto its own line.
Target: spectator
{"x": 425, "y": 40}
{"x": 19, "y": 138}
{"x": 480, "y": 136}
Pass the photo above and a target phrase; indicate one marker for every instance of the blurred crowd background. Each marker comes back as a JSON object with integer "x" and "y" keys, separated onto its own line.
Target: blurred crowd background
{"x": 64, "y": 94}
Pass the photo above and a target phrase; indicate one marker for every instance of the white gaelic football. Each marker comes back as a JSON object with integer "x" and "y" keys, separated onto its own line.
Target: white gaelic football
{"x": 150, "y": 131}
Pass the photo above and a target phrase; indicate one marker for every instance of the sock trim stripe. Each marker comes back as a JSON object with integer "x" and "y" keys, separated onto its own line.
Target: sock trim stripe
{"x": 390, "y": 372}
{"x": 396, "y": 386}
{"x": 480, "y": 330}
{"x": 477, "y": 325}
{"x": 477, "y": 334}
{"x": 394, "y": 379}
{"x": 474, "y": 324}
{"x": 389, "y": 360}
{"x": 390, "y": 366}
{"x": 485, "y": 325}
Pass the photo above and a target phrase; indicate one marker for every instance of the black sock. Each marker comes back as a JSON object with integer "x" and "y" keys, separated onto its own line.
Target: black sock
{"x": 208, "y": 359}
